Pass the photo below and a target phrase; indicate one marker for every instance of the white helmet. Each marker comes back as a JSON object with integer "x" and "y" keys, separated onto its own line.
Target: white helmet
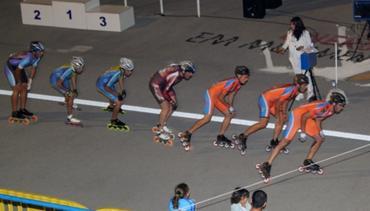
{"x": 187, "y": 66}
{"x": 126, "y": 64}
{"x": 77, "y": 64}
{"x": 336, "y": 95}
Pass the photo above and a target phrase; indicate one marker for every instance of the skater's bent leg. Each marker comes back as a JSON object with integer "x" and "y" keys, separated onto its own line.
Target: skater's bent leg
{"x": 23, "y": 96}
{"x": 169, "y": 114}
{"x": 315, "y": 147}
{"x": 165, "y": 112}
{"x": 69, "y": 105}
{"x": 14, "y": 98}
{"x": 200, "y": 123}
{"x": 276, "y": 151}
{"x": 117, "y": 106}
{"x": 256, "y": 127}
{"x": 226, "y": 123}
{"x": 278, "y": 128}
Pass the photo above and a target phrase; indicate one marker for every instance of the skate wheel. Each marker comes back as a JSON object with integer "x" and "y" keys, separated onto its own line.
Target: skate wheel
{"x": 266, "y": 180}
{"x": 234, "y": 137}
{"x": 232, "y": 146}
{"x": 268, "y": 148}
{"x": 155, "y": 129}
{"x": 187, "y": 148}
{"x": 215, "y": 143}
{"x": 172, "y": 136}
{"x": 156, "y": 139}
{"x": 243, "y": 153}
{"x": 301, "y": 169}
{"x": 125, "y": 128}
{"x": 26, "y": 122}
{"x": 180, "y": 135}
{"x": 34, "y": 118}
{"x": 11, "y": 120}
{"x": 320, "y": 172}
{"x": 169, "y": 143}
{"x": 258, "y": 166}
{"x": 286, "y": 151}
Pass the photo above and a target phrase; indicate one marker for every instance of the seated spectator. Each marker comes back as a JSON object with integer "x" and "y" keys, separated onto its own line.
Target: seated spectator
{"x": 259, "y": 200}
{"x": 239, "y": 200}
{"x": 181, "y": 201}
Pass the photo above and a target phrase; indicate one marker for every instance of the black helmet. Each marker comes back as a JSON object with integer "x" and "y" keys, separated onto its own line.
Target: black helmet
{"x": 301, "y": 79}
{"x": 338, "y": 98}
{"x": 241, "y": 70}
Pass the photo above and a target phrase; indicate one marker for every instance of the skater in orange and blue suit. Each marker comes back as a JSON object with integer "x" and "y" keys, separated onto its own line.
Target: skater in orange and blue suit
{"x": 220, "y": 96}
{"x": 308, "y": 118}
{"x": 274, "y": 102}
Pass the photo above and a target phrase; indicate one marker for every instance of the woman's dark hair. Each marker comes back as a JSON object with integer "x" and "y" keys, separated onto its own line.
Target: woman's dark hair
{"x": 238, "y": 194}
{"x": 180, "y": 192}
{"x": 299, "y": 27}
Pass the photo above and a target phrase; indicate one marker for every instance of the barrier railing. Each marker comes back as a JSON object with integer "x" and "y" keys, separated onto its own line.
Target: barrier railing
{"x": 19, "y": 201}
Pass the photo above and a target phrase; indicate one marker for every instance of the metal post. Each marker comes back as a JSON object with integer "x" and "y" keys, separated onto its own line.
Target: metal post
{"x": 161, "y": 6}
{"x": 336, "y": 63}
{"x": 198, "y": 8}
{"x": 125, "y": 3}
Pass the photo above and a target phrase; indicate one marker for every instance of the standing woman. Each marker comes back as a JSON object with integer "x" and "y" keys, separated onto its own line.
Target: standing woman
{"x": 181, "y": 201}
{"x": 298, "y": 40}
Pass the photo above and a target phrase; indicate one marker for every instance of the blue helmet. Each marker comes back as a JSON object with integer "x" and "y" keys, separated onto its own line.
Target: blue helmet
{"x": 36, "y": 46}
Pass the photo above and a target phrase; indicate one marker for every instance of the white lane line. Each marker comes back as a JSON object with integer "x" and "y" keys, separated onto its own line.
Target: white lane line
{"x": 188, "y": 115}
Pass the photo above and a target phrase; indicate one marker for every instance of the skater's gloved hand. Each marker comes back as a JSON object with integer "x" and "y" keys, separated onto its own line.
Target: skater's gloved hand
{"x": 29, "y": 84}
{"x": 322, "y": 134}
{"x": 69, "y": 93}
{"x": 173, "y": 104}
{"x": 123, "y": 93}
{"x": 302, "y": 137}
{"x": 120, "y": 98}
{"x": 231, "y": 109}
{"x": 75, "y": 93}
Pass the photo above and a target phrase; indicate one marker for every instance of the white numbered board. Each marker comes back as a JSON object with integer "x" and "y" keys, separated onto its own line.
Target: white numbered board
{"x": 37, "y": 14}
{"x": 110, "y": 18}
{"x": 72, "y": 14}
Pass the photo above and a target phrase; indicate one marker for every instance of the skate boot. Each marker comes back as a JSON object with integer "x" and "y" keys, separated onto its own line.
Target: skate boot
{"x": 28, "y": 114}
{"x": 73, "y": 121}
{"x": 273, "y": 144}
{"x": 165, "y": 138}
{"x": 185, "y": 138}
{"x": 164, "y": 135}
{"x": 18, "y": 117}
{"x": 222, "y": 141}
{"x": 219, "y": 141}
{"x": 110, "y": 109}
{"x": 117, "y": 125}
{"x": 264, "y": 169}
{"x": 310, "y": 166}
{"x": 242, "y": 146}
{"x": 156, "y": 129}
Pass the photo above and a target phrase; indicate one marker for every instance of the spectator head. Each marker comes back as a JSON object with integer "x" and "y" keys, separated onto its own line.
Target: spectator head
{"x": 181, "y": 191}
{"x": 239, "y": 195}
{"x": 297, "y": 26}
{"x": 259, "y": 199}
